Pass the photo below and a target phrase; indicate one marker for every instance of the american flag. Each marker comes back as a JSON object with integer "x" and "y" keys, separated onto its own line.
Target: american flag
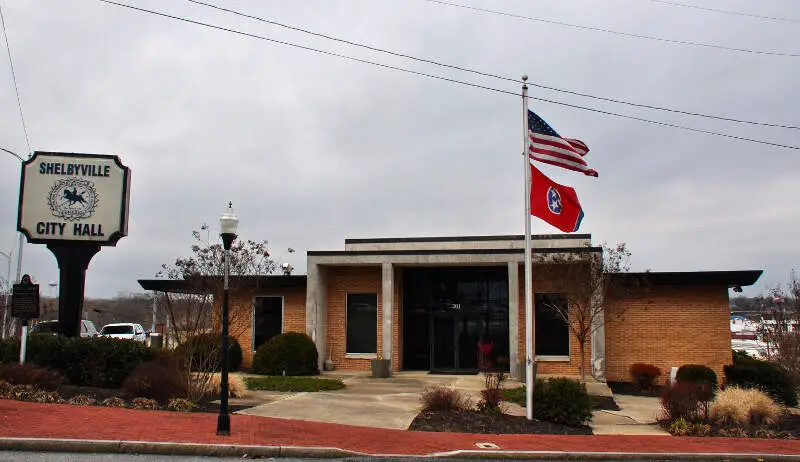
{"x": 549, "y": 147}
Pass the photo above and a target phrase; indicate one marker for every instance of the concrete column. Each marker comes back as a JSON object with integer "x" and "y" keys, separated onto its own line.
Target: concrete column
{"x": 513, "y": 318}
{"x": 387, "y": 302}
{"x": 599, "y": 336}
{"x": 317, "y": 309}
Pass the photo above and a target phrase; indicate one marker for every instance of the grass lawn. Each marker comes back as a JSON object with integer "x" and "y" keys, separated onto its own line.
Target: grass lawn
{"x": 517, "y": 395}
{"x": 296, "y": 384}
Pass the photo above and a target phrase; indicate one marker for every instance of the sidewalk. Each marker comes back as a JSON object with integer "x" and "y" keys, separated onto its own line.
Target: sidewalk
{"x": 97, "y": 429}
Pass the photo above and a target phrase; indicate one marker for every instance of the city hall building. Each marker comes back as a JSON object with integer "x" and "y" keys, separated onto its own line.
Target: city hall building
{"x": 430, "y": 304}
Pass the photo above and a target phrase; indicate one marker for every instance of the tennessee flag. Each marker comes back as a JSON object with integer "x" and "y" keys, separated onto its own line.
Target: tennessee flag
{"x": 554, "y": 203}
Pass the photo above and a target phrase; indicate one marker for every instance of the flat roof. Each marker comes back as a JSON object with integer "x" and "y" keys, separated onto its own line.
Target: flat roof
{"x": 207, "y": 283}
{"x": 697, "y": 278}
{"x": 669, "y": 278}
{"x": 510, "y": 237}
{"x": 318, "y": 253}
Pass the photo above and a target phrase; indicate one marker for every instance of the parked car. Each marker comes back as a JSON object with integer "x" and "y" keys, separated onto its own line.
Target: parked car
{"x": 88, "y": 328}
{"x": 125, "y": 330}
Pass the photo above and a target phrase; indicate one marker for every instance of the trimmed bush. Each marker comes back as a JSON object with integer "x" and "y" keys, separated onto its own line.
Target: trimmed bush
{"x": 696, "y": 373}
{"x": 644, "y": 375}
{"x": 6, "y": 390}
{"x": 683, "y": 428}
{"x": 442, "y": 399}
{"x": 25, "y": 374}
{"x": 291, "y": 353}
{"x": 181, "y": 405}
{"x": 749, "y": 372}
{"x": 96, "y": 362}
{"x": 680, "y": 401}
{"x": 82, "y": 400}
{"x": 160, "y": 380}
{"x": 114, "y": 402}
{"x": 295, "y": 384}
{"x": 202, "y": 352}
{"x": 144, "y": 403}
{"x": 743, "y": 407}
{"x": 563, "y": 401}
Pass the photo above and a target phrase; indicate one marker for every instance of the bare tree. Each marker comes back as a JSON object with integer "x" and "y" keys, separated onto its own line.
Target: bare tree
{"x": 585, "y": 279}
{"x": 191, "y": 310}
{"x": 780, "y": 326}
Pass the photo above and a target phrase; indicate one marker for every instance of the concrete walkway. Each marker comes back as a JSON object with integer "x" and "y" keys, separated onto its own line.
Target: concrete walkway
{"x": 368, "y": 402}
{"x": 393, "y": 403}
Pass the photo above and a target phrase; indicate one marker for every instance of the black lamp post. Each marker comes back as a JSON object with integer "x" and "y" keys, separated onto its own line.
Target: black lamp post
{"x": 228, "y": 223}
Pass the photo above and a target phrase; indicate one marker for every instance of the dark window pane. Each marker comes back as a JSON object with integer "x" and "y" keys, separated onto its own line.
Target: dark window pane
{"x": 551, "y": 331}
{"x": 267, "y": 319}
{"x": 362, "y": 323}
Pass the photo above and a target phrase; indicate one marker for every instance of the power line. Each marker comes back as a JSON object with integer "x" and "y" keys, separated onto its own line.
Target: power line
{"x": 438, "y": 77}
{"x": 13, "y": 154}
{"x": 715, "y": 10}
{"x": 616, "y": 32}
{"x": 487, "y": 74}
{"x": 14, "y": 78}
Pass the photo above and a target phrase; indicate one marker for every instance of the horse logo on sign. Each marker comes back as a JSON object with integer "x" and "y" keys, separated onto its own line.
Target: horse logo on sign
{"x": 72, "y": 199}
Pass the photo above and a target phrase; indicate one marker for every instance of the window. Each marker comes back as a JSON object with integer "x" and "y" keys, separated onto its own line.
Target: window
{"x": 267, "y": 319}
{"x": 551, "y": 331}
{"x": 362, "y": 323}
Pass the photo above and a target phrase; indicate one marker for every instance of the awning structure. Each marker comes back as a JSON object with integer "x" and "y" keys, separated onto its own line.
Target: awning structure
{"x": 204, "y": 284}
{"x": 695, "y": 278}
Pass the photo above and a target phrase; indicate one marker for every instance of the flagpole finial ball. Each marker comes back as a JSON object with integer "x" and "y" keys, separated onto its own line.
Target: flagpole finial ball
{"x": 524, "y": 77}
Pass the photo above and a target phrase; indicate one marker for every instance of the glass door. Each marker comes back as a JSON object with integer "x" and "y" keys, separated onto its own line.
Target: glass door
{"x": 443, "y": 342}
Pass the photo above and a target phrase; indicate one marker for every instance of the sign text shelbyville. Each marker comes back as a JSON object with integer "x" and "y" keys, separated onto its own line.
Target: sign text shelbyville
{"x": 74, "y": 197}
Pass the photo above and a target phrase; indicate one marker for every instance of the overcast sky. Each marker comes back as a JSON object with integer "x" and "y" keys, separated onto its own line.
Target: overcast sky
{"x": 314, "y": 149}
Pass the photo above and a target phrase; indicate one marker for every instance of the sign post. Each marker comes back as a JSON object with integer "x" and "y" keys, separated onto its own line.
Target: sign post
{"x": 74, "y": 203}
{"x": 25, "y": 306}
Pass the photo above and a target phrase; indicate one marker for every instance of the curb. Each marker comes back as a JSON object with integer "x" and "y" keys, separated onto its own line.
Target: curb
{"x": 311, "y": 452}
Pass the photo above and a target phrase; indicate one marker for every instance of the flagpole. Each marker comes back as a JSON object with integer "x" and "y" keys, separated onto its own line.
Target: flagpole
{"x": 528, "y": 269}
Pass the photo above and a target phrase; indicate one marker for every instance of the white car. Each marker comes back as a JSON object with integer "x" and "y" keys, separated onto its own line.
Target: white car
{"x": 88, "y": 330}
{"x": 124, "y": 330}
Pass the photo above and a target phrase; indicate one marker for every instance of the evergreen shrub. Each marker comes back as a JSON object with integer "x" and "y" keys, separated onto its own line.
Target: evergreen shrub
{"x": 291, "y": 353}
{"x": 749, "y": 372}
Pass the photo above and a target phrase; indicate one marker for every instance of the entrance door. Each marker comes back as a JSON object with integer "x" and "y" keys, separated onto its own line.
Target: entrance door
{"x": 447, "y": 311}
{"x": 454, "y": 342}
{"x": 443, "y": 342}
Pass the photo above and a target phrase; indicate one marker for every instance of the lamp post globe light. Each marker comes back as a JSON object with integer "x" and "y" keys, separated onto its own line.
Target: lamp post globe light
{"x": 228, "y": 223}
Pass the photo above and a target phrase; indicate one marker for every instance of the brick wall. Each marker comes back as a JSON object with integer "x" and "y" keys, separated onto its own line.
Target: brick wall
{"x": 668, "y": 326}
{"x": 548, "y": 279}
{"x": 241, "y": 315}
{"x": 358, "y": 279}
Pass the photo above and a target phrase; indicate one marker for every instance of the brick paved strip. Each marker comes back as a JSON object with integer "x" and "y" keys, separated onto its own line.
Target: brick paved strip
{"x": 54, "y": 421}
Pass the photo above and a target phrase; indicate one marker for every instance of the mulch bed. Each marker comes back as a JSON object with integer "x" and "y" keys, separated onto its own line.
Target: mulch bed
{"x": 479, "y": 422}
{"x": 627, "y": 388}
{"x": 787, "y": 428}
{"x": 99, "y": 394}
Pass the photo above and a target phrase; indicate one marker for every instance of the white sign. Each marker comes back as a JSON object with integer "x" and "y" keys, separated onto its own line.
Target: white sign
{"x": 74, "y": 197}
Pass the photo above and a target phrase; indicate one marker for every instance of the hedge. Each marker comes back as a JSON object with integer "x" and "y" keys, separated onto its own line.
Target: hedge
{"x": 95, "y": 362}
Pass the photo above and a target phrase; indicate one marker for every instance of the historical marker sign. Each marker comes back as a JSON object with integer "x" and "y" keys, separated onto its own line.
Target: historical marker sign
{"x": 25, "y": 299}
{"x": 74, "y": 197}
